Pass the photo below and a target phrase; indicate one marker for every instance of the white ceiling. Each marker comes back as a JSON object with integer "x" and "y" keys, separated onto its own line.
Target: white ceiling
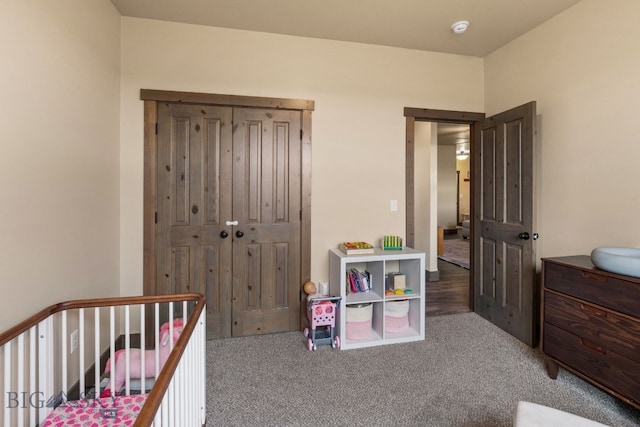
{"x": 413, "y": 24}
{"x": 453, "y": 134}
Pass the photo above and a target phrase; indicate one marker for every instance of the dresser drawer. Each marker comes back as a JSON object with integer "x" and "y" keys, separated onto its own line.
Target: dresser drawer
{"x": 599, "y": 363}
{"x": 598, "y": 325}
{"x": 593, "y": 286}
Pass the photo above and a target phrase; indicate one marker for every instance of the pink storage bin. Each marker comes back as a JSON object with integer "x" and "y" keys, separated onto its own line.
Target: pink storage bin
{"x": 396, "y": 324}
{"x": 396, "y": 316}
{"x": 358, "y": 321}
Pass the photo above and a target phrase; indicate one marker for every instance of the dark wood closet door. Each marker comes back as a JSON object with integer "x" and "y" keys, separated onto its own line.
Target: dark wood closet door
{"x": 217, "y": 166}
{"x": 267, "y": 206}
{"x": 194, "y": 173}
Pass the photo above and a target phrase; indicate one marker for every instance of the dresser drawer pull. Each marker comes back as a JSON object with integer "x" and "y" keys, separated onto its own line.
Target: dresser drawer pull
{"x": 593, "y": 346}
{"x": 596, "y": 277}
{"x": 593, "y": 310}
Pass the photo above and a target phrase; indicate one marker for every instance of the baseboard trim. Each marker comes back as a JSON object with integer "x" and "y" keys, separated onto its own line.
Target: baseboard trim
{"x": 433, "y": 276}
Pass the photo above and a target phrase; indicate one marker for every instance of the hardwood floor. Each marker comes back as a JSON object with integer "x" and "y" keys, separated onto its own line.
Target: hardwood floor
{"x": 449, "y": 295}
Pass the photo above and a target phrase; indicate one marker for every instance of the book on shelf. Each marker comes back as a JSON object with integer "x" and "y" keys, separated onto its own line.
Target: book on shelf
{"x": 356, "y": 248}
{"x": 358, "y": 281}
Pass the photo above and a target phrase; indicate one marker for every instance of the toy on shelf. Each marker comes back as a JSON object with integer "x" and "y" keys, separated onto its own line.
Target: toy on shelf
{"x": 392, "y": 242}
{"x": 321, "y": 311}
{"x": 356, "y": 248}
{"x": 390, "y": 292}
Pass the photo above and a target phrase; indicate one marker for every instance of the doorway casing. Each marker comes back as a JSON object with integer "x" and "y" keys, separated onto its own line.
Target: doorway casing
{"x": 442, "y": 116}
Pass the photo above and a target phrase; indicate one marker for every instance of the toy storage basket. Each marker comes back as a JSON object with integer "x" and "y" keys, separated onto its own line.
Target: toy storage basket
{"x": 396, "y": 316}
{"x": 358, "y": 321}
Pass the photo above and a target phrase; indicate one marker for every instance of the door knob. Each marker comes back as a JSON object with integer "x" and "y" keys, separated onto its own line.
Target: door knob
{"x": 224, "y": 234}
{"x": 239, "y": 233}
{"x": 524, "y": 236}
{"x": 535, "y": 236}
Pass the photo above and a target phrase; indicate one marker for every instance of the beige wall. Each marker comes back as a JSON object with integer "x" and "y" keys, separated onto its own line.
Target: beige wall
{"x": 465, "y": 188}
{"x": 59, "y": 153}
{"x": 582, "y": 67}
{"x": 358, "y": 124}
{"x": 447, "y": 186}
{"x": 426, "y": 191}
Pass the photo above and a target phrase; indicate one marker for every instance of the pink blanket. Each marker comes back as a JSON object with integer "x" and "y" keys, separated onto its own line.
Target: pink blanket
{"x": 112, "y": 412}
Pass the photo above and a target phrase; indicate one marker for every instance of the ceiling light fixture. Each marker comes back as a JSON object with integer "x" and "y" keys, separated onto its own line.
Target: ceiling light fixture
{"x": 460, "y": 27}
{"x": 462, "y": 151}
{"x": 462, "y": 155}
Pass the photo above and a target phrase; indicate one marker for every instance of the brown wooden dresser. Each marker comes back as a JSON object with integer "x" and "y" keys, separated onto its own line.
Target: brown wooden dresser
{"x": 591, "y": 325}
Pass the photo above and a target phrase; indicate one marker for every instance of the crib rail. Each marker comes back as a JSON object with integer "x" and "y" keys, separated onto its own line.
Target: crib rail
{"x": 35, "y": 355}
{"x": 178, "y": 397}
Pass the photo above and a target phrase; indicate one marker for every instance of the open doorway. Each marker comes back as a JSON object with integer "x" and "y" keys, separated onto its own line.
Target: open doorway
{"x": 454, "y": 191}
{"x": 450, "y": 294}
{"x": 441, "y": 195}
{"x": 449, "y": 285}
{"x": 453, "y": 177}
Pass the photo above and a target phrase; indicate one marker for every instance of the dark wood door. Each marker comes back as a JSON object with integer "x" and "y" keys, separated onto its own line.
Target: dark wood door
{"x": 217, "y": 166}
{"x": 504, "y": 273}
{"x": 267, "y": 206}
{"x": 194, "y": 173}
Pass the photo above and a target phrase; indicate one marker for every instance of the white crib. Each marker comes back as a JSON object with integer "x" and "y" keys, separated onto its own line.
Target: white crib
{"x": 49, "y": 363}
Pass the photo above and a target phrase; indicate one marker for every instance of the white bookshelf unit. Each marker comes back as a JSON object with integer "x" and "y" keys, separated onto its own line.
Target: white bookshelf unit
{"x": 407, "y": 261}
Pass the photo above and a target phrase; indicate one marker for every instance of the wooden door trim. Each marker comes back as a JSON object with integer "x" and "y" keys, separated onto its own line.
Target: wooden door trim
{"x": 150, "y": 192}
{"x": 410, "y": 219}
{"x": 305, "y": 206}
{"x": 443, "y": 116}
{"x": 151, "y": 99}
{"x": 225, "y": 100}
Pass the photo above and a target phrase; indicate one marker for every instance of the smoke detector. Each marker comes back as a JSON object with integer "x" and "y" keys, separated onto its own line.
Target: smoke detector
{"x": 460, "y": 27}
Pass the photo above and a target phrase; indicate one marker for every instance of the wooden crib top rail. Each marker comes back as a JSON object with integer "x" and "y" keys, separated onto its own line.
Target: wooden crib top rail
{"x": 33, "y": 320}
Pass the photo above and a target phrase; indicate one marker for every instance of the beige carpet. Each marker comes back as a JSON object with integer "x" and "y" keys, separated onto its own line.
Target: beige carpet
{"x": 466, "y": 373}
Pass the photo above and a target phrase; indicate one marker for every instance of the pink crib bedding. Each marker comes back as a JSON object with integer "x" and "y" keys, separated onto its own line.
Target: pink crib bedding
{"x": 121, "y": 411}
